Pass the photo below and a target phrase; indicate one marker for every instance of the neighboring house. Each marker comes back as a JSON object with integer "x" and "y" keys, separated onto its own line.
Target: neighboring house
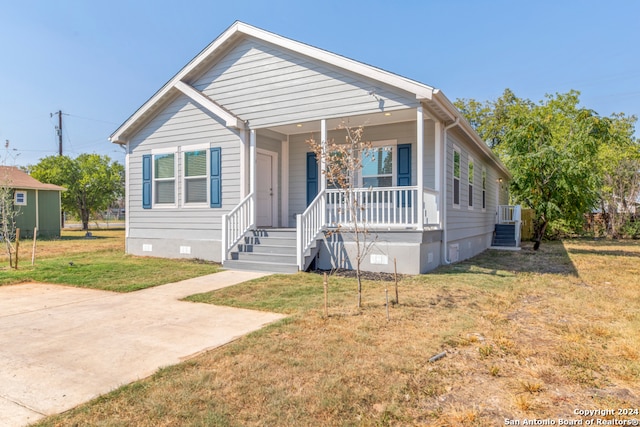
{"x": 38, "y": 204}
{"x": 218, "y": 167}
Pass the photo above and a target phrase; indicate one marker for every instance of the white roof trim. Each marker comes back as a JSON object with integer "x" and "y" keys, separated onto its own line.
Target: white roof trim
{"x": 239, "y": 28}
{"x": 466, "y": 128}
{"x": 197, "y": 96}
{"x": 422, "y": 91}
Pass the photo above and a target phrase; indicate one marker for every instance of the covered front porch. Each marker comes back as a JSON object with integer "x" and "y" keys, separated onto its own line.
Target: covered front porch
{"x": 285, "y": 186}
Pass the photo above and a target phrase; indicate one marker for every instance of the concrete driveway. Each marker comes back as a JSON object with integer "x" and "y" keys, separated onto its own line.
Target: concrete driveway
{"x": 61, "y": 346}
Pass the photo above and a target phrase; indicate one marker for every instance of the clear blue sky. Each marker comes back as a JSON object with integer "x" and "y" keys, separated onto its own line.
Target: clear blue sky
{"x": 98, "y": 61}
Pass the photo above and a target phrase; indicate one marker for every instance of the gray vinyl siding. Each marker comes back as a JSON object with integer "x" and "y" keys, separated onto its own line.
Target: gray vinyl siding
{"x": 180, "y": 124}
{"x": 463, "y": 222}
{"x": 270, "y": 86}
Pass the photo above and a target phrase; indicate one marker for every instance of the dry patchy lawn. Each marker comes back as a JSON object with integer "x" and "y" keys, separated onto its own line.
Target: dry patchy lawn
{"x": 526, "y": 335}
{"x": 98, "y": 262}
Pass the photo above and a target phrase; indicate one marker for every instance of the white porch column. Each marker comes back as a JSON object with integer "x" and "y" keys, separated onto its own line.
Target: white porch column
{"x": 438, "y": 165}
{"x": 252, "y": 173}
{"x": 243, "y": 163}
{"x": 420, "y": 163}
{"x": 323, "y": 163}
{"x": 323, "y": 166}
{"x": 284, "y": 176}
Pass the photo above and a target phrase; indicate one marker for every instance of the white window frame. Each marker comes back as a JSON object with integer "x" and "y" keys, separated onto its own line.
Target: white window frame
{"x": 394, "y": 172}
{"x": 471, "y": 178}
{"x": 154, "y": 190}
{"x": 484, "y": 188}
{"x": 187, "y": 149}
{"x": 456, "y": 149}
{"x": 24, "y": 198}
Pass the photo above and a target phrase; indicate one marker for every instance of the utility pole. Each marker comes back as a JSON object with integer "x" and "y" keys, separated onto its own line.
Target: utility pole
{"x": 59, "y": 130}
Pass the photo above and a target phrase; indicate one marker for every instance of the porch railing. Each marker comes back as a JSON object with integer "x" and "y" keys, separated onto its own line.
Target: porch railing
{"x": 308, "y": 225}
{"x": 236, "y": 223}
{"x": 511, "y": 214}
{"x": 387, "y": 206}
{"x": 508, "y": 214}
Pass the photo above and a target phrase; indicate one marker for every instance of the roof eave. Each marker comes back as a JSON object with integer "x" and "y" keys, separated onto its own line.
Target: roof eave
{"x": 454, "y": 113}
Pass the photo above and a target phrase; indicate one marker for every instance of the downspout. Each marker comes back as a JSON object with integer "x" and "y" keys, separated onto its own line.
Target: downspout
{"x": 445, "y": 257}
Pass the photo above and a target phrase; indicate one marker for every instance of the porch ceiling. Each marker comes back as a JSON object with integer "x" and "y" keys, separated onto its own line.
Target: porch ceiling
{"x": 374, "y": 119}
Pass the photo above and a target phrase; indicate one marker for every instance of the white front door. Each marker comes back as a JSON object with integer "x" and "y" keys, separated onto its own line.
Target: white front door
{"x": 266, "y": 188}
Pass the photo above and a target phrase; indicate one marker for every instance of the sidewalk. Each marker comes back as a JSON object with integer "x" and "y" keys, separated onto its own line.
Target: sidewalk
{"x": 61, "y": 346}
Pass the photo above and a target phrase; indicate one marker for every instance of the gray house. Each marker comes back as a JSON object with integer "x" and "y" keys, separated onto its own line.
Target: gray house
{"x": 218, "y": 166}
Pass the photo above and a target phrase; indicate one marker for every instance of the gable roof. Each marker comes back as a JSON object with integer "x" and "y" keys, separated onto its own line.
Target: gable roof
{"x": 439, "y": 104}
{"x": 13, "y": 177}
{"x": 240, "y": 30}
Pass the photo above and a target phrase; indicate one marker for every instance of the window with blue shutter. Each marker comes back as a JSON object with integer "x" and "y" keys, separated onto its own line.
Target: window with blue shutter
{"x": 215, "y": 177}
{"x": 195, "y": 177}
{"x": 312, "y": 177}
{"x": 146, "y": 181}
{"x": 404, "y": 171}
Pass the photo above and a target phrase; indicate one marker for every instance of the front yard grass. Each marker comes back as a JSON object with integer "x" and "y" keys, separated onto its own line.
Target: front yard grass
{"x": 527, "y": 334}
{"x": 99, "y": 263}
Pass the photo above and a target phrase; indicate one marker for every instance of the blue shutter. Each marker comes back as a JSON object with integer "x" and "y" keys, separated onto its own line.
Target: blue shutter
{"x": 146, "y": 181}
{"x": 404, "y": 170}
{"x": 312, "y": 177}
{"x": 215, "y": 178}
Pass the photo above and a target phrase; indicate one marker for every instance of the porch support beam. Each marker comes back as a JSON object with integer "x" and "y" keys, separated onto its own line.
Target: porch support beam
{"x": 323, "y": 162}
{"x": 420, "y": 163}
{"x": 284, "y": 174}
{"x": 243, "y": 163}
{"x": 209, "y": 104}
{"x": 252, "y": 173}
{"x": 438, "y": 166}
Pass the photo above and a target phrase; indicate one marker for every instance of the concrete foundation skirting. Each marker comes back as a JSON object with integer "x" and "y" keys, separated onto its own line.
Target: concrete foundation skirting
{"x": 414, "y": 252}
{"x": 208, "y": 250}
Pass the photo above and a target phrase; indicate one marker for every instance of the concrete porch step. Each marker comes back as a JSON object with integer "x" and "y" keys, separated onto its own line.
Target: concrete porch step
{"x": 261, "y": 266}
{"x": 271, "y": 241}
{"x": 267, "y": 249}
{"x": 264, "y": 257}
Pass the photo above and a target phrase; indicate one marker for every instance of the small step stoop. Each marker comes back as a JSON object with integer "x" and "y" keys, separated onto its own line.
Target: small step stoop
{"x": 505, "y": 236}
{"x": 268, "y": 249}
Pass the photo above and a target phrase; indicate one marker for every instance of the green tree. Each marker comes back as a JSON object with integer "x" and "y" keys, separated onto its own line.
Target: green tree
{"x": 92, "y": 181}
{"x": 619, "y": 162}
{"x": 551, "y": 150}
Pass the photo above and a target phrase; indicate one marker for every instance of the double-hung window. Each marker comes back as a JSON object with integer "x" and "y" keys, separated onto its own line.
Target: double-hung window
{"x": 378, "y": 166}
{"x": 164, "y": 179}
{"x": 471, "y": 180}
{"x": 195, "y": 177}
{"x": 456, "y": 177}
{"x": 484, "y": 188}
{"x": 188, "y": 176}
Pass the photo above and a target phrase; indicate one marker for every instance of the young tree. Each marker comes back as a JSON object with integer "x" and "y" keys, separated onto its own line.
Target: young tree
{"x": 92, "y": 181}
{"x": 8, "y": 211}
{"x": 343, "y": 163}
